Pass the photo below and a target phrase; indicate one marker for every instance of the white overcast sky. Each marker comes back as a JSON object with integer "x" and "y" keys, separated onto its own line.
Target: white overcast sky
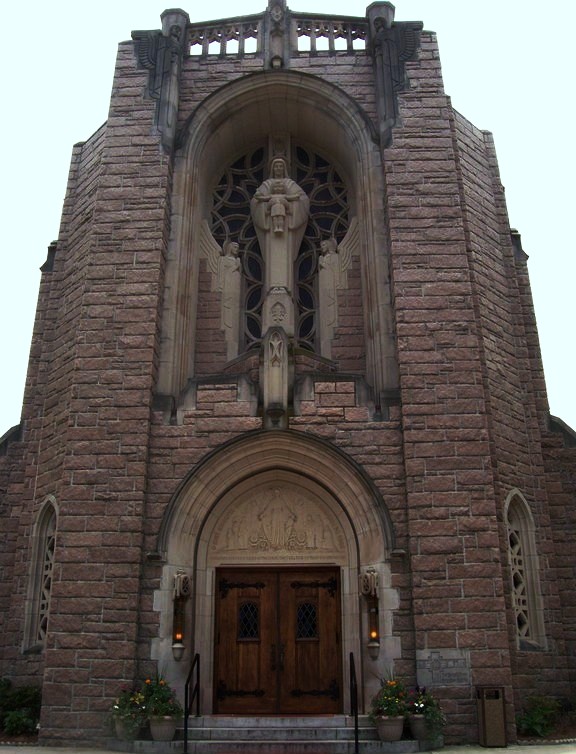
{"x": 508, "y": 66}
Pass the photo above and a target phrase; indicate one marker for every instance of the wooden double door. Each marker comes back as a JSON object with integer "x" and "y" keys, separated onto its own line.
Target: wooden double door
{"x": 278, "y": 641}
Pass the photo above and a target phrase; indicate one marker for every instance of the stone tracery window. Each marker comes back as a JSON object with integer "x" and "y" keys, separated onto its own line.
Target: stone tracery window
{"x": 231, "y": 221}
{"x": 523, "y": 573}
{"x": 40, "y": 591}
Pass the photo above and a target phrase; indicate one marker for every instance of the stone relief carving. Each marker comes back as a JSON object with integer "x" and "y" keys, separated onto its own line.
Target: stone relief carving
{"x": 276, "y": 350}
{"x": 275, "y": 378}
{"x": 278, "y": 521}
{"x": 277, "y": 29}
{"x": 334, "y": 262}
{"x": 225, "y": 267}
{"x": 278, "y": 313}
{"x": 369, "y": 582}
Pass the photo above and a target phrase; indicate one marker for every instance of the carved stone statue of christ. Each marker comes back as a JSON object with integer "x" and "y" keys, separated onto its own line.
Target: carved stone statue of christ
{"x": 280, "y": 214}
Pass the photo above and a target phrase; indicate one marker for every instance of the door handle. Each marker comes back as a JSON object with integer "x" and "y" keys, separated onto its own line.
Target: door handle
{"x": 273, "y": 657}
{"x": 282, "y": 652}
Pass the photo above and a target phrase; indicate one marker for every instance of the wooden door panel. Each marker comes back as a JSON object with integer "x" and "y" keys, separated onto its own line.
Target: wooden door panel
{"x": 310, "y": 632}
{"x": 277, "y": 642}
{"x": 246, "y": 618}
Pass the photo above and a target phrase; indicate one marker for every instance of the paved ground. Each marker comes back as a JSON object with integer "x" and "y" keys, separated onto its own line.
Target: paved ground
{"x": 568, "y": 748}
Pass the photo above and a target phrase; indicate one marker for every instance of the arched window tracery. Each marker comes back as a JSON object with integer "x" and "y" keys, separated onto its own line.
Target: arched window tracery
{"x": 41, "y": 577}
{"x": 523, "y": 564}
{"x": 231, "y": 222}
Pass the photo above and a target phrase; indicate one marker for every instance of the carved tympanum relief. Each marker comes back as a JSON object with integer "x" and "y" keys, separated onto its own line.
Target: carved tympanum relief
{"x": 277, "y": 522}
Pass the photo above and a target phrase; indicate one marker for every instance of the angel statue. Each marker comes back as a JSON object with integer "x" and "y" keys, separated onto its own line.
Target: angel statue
{"x": 225, "y": 266}
{"x": 334, "y": 261}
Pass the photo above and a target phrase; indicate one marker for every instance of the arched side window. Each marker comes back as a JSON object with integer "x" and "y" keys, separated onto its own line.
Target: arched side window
{"x": 524, "y": 570}
{"x": 41, "y": 575}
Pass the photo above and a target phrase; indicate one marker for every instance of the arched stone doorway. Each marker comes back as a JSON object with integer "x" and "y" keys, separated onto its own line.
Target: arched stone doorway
{"x": 271, "y": 503}
{"x": 279, "y": 559}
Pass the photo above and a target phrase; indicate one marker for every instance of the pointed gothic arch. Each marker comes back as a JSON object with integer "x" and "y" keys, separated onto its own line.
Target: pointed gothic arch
{"x": 43, "y": 549}
{"x": 230, "y": 122}
{"x": 327, "y": 513}
{"x": 261, "y": 451}
{"x": 523, "y": 563}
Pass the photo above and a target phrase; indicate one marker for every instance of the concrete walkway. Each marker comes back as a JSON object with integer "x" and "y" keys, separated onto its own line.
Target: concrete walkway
{"x": 554, "y": 748}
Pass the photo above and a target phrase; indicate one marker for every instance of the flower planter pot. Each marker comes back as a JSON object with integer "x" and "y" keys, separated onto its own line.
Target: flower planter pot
{"x": 163, "y": 728}
{"x": 390, "y": 728}
{"x": 418, "y": 727}
{"x": 125, "y": 730}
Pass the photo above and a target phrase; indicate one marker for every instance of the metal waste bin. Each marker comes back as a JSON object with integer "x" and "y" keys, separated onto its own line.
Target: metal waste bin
{"x": 491, "y": 716}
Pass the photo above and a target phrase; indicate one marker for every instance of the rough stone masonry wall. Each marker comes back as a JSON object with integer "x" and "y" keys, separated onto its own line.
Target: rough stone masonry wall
{"x": 513, "y": 388}
{"x": 47, "y": 398}
{"x": 458, "y": 597}
{"x": 94, "y": 609}
{"x": 559, "y": 455}
{"x": 10, "y": 478}
{"x": 560, "y": 459}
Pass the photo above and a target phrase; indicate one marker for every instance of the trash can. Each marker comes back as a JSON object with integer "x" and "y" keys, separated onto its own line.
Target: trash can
{"x": 491, "y": 716}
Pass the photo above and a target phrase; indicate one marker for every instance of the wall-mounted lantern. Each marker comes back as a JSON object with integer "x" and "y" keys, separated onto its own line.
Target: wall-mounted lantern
{"x": 369, "y": 588}
{"x": 182, "y": 592}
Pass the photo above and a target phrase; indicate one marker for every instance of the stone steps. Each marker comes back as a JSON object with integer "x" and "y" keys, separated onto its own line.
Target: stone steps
{"x": 300, "y": 747}
{"x": 215, "y": 734}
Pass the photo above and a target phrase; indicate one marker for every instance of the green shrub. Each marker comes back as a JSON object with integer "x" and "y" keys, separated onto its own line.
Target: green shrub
{"x": 5, "y": 687}
{"x": 539, "y": 715}
{"x": 19, "y": 707}
{"x": 25, "y": 697}
{"x": 19, "y": 722}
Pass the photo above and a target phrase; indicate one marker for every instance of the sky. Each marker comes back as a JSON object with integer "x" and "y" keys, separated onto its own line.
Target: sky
{"x": 508, "y": 67}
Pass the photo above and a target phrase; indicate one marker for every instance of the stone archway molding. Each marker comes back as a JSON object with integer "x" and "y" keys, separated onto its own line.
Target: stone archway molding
{"x": 256, "y": 453}
{"x": 240, "y": 114}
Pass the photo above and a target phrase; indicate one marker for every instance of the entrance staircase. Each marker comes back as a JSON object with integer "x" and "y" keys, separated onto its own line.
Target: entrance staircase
{"x": 331, "y": 734}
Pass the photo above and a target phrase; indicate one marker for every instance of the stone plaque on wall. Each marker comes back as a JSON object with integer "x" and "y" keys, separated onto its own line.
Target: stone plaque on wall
{"x": 443, "y": 667}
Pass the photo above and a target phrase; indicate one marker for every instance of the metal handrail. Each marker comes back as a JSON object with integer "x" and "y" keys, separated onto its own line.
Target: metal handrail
{"x": 353, "y": 701}
{"x": 189, "y": 697}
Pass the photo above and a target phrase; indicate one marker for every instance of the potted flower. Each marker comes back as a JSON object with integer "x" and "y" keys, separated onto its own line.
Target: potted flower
{"x": 426, "y": 718}
{"x": 164, "y": 709}
{"x": 389, "y": 709}
{"x": 129, "y": 713}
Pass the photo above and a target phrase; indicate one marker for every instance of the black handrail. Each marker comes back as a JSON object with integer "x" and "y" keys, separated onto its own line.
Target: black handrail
{"x": 190, "y": 697}
{"x": 353, "y": 701}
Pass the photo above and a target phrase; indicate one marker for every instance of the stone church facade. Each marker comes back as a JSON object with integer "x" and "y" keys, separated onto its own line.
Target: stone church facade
{"x": 285, "y": 400}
